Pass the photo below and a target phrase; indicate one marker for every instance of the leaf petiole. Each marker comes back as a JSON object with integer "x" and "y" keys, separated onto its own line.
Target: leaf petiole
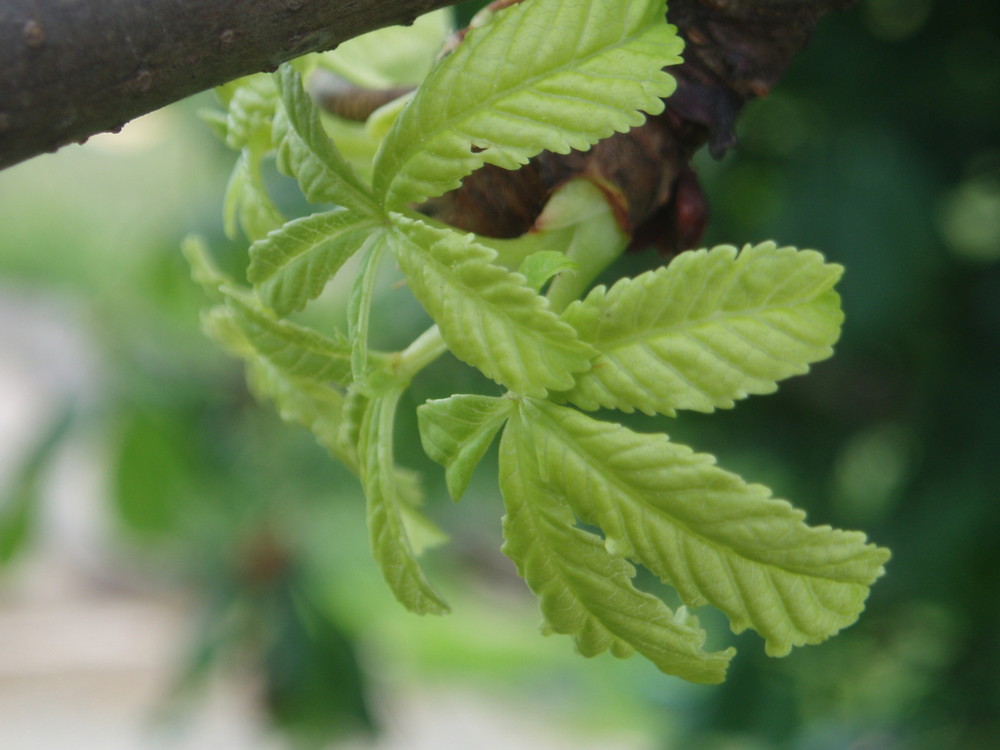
{"x": 426, "y": 348}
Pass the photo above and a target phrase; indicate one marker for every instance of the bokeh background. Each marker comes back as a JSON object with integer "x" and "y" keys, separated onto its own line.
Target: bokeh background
{"x": 179, "y": 569}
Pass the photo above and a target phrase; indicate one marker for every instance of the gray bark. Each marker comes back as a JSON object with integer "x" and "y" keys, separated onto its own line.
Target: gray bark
{"x": 73, "y": 68}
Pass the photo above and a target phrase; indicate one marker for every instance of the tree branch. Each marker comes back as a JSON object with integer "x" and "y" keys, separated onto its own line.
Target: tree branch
{"x": 73, "y": 68}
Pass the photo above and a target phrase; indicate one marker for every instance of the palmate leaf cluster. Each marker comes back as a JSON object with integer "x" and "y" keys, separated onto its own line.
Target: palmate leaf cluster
{"x": 712, "y": 327}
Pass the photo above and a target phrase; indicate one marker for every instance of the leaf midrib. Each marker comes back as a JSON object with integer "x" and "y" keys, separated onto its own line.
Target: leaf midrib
{"x": 663, "y": 330}
{"x": 628, "y": 491}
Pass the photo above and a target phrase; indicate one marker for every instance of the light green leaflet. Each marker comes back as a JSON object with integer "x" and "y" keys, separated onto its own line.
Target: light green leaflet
{"x": 541, "y": 75}
{"x": 316, "y": 407}
{"x": 299, "y": 353}
{"x": 306, "y": 152}
{"x": 488, "y": 316}
{"x": 292, "y": 264}
{"x": 387, "y": 525}
{"x": 539, "y": 267}
{"x": 456, "y": 432}
{"x": 709, "y": 328}
{"x": 303, "y": 401}
{"x": 704, "y": 531}
{"x": 584, "y": 591}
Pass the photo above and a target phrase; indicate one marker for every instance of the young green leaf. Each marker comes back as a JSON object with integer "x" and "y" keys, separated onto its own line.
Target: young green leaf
{"x": 420, "y": 531}
{"x": 306, "y": 152}
{"x": 390, "y": 542}
{"x": 251, "y": 103}
{"x": 711, "y": 327}
{"x": 539, "y": 267}
{"x": 250, "y": 109}
{"x": 703, "y": 530}
{"x": 299, "y": 353}
{"x": 584, "y": 591}
{"x": 456, "y": 432}
{"x": 541, "y": 75}
{"x": 318, "y": 408}
{"x": 292, "y": 264}
{"x": 360, "y": 302}
{"x": 487, "y": 315}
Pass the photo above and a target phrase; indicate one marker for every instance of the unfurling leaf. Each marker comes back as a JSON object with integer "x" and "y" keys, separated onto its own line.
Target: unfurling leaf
{"x": 250, "y": 109}
{"x": 487, "y": 315}
{"x": 539, "y": 267}
{"x": 704, "y": 531}
{"x": 554, "y": 76}
{"x": 456, "y": 432}
{"x": 583, "y": 590}
{"x": 711, "y": 327}
{"x": 251, "y": 103}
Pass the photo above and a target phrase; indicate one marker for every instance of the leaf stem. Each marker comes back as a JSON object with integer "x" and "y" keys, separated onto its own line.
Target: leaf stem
{"x": 427, "y": 347}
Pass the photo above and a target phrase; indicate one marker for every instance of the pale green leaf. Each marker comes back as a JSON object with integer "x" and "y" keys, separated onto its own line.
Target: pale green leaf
{"x": 299, "y": 353}
{"x": 335, "y": 421}
{"x": 359, "y": 304}
{"x": 487, "y": 315}
{"x": 456, "y": 432}
{"x": 292, "y": 264}
{"x": 251, "y": 103}
{"x": 539, "y": 267}
{"x": 548, "y": 75}
{"x": 393, "y": 56}
{"x": 584, "y": 591}
{"x": 711, "y": 327}
{"x": 387, "y": 530}
{"x": 318, "y": 408}
{"x": 704, "y": 531}
{"x": 306, "y": 152}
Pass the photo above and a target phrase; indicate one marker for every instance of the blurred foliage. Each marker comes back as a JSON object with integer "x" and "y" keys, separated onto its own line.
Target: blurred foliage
{"x": 880, "y": 149}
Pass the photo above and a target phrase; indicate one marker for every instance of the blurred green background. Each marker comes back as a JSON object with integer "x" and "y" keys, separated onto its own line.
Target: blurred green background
{"x": 880, "y": 149}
